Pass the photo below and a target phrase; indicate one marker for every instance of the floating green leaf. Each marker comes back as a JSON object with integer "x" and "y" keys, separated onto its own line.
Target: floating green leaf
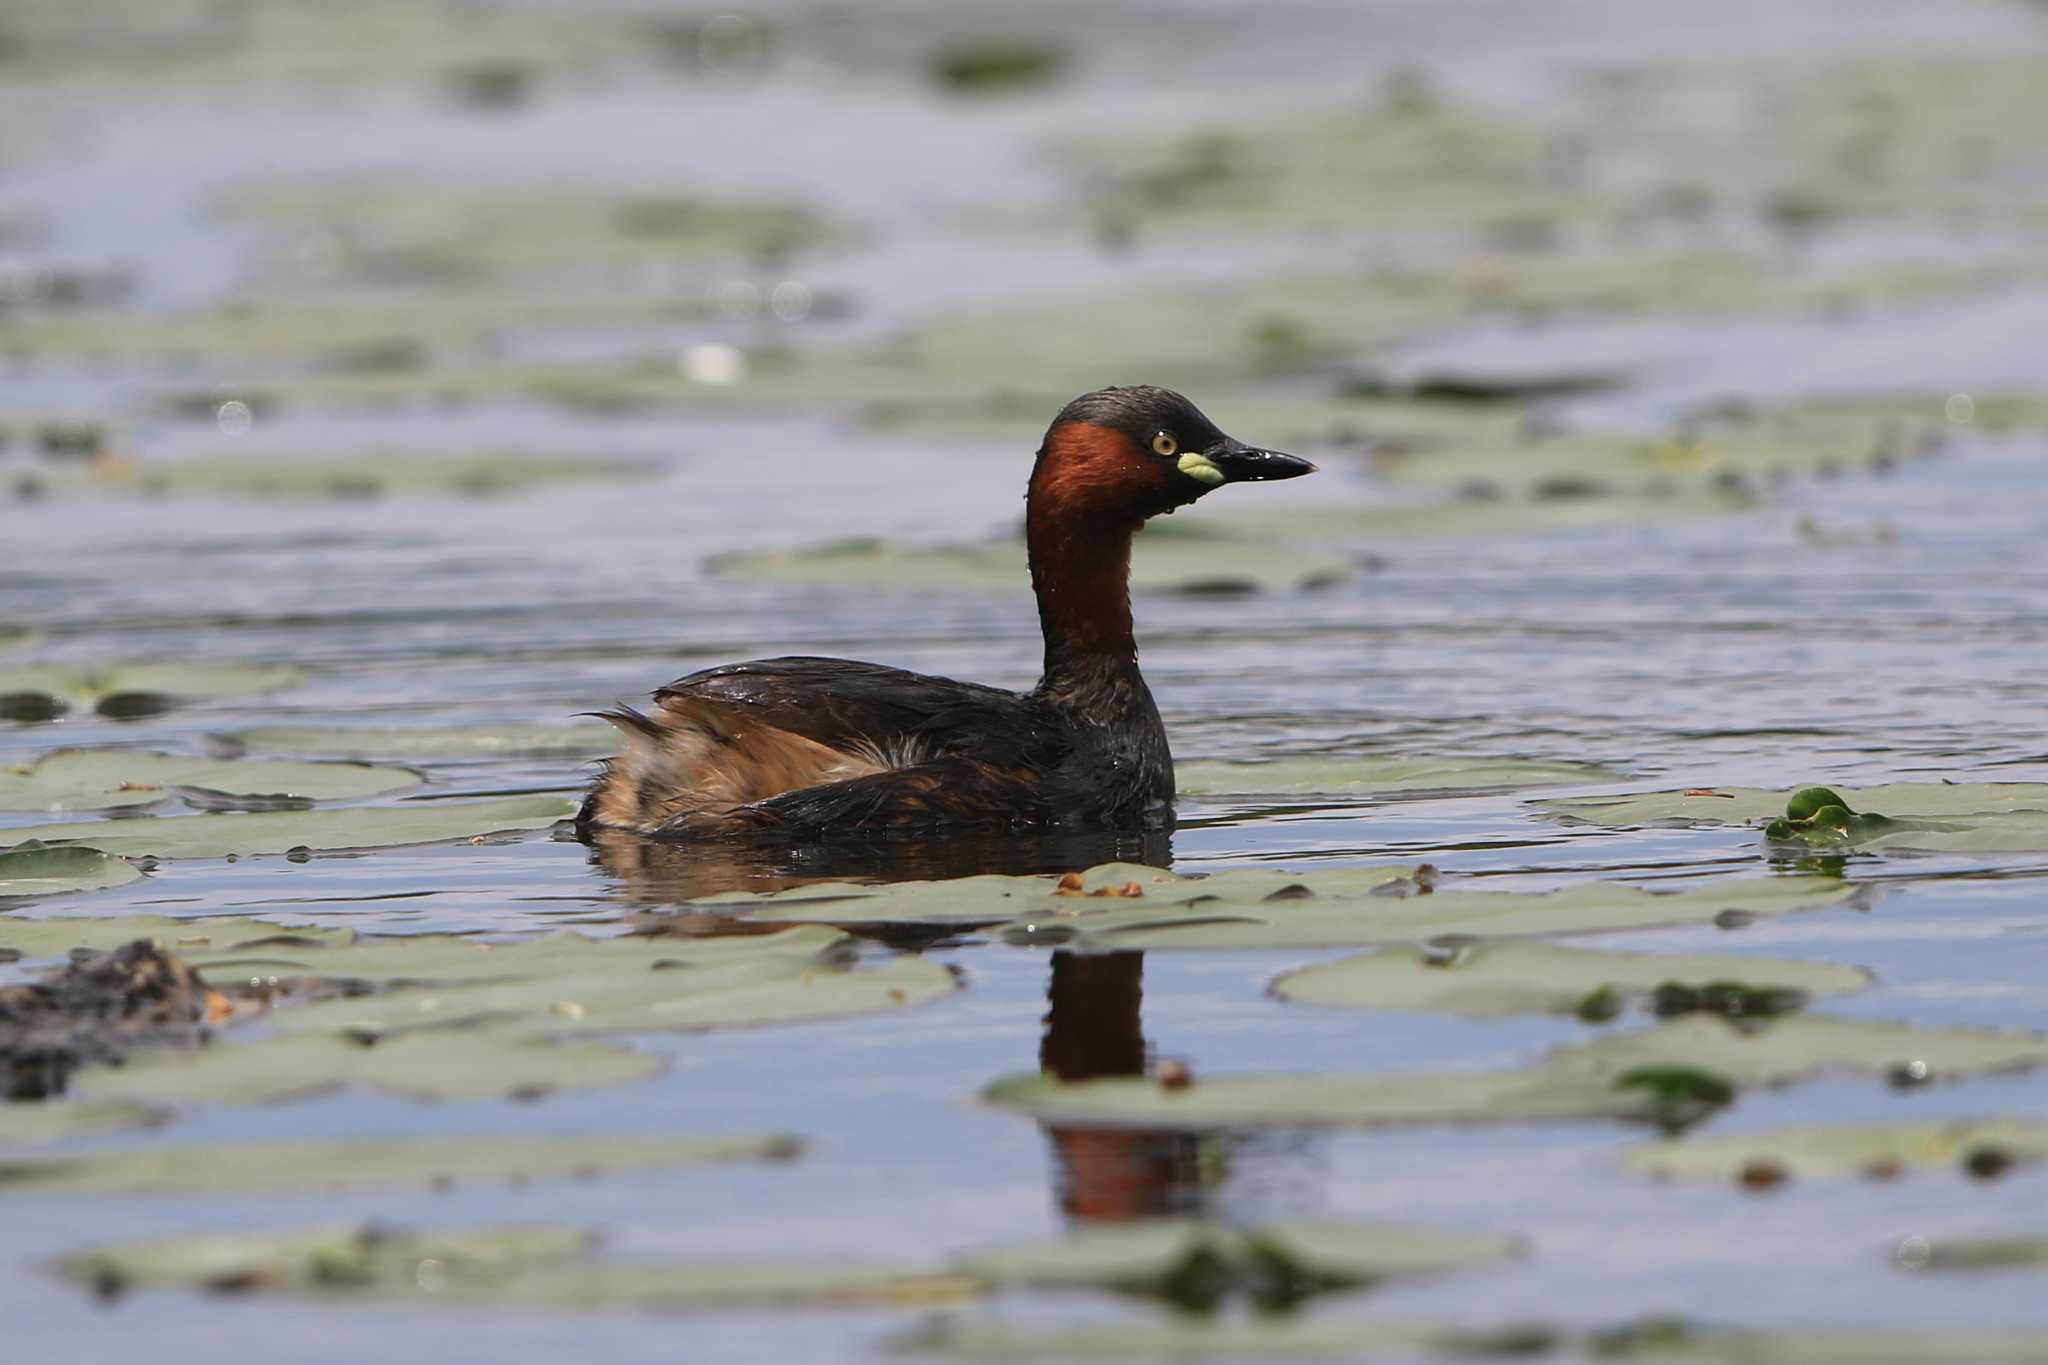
{"x": 1178, "y": 563}
{"x": 124, "y": 690}
{"x": 332, "y": 1167}
{"x": 266, "y": 832}
{"x": 29, "y": 870}
{"x": 1979, "y": 1148}
{"x": 1124, "y": 905}
{"x": 100, "y": 779}
{"x": 423, "y": 742}
{"x": 1492, "y": 979}
{"x": 1373, "y": 776}
{"x": 1819, "y": 816}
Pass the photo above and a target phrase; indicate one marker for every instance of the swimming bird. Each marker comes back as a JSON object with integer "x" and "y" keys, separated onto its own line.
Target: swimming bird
{"x": 813, "y": 747}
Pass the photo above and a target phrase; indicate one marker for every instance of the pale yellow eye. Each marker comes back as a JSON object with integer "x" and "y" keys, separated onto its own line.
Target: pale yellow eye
{"x": 1164, "y": 444}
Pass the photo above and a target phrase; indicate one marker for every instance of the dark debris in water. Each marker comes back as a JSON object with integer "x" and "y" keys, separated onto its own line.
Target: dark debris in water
{"x": 97, "y": 1009}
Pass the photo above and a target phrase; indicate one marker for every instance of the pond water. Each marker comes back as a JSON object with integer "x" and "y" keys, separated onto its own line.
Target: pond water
{"x": 1852, "y": 626}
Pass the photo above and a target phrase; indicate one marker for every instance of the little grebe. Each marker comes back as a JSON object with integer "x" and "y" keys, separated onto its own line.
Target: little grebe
{"x": 810, "y": 746}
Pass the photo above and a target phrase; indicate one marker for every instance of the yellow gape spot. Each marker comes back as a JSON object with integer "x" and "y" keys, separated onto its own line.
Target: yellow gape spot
{"x": 1197, "y": 466}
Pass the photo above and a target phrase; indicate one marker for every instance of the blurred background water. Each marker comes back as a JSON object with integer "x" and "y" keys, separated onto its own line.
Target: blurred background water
{"x": 1675, "y": 371}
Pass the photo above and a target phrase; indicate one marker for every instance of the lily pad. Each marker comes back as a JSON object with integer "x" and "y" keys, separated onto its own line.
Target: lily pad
{"x": 422, "y": 742}
{"x": 1671, "y": 1074}
{"x": 28, "y": 871}
{"x": 29, "y": 1122}
{"x": 332, "y": 1167}
{"x": 1982, "y": 1253}
{"x": 1189, "y": 564}
{"x": 1497, "y": 979}
{"x": 1298, "y": 1101}
{"x": 1797, "y": 1046}
{"x": 268, "y": 832}
{"x": 101, "y": 779}
{"x": 1330, "y": 916}
{"x": 126, "y": 690}
{"x": 564, "y": 984}
{"x": 188, "y": 938}
{"x": 1947, "y": 817}
{"x": 1124, "y": 905}
{"x": 522, "y": 1267}
{"x": 1178, "y": 1338}
{"x": 1680, "y": 1342}
{"x": 1373, "y": 776}
{"x": 441, "y": 1065}
{"x": 1980, "y": 1148}
{"x": 364, "y": 476}
{"x": 1198, "y": 1265}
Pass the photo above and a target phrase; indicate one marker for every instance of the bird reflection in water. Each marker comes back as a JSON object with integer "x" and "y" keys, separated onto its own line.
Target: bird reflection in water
{"x": 1093, "y": 1026}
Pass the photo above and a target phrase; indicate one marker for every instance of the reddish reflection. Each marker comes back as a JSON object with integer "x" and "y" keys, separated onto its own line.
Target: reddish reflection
{"x": 658, "y": 872}
{"x": 1115, "y": 1175}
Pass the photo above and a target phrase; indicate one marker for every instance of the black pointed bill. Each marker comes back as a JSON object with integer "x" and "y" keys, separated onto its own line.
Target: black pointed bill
{"x": 1235, "y": 462}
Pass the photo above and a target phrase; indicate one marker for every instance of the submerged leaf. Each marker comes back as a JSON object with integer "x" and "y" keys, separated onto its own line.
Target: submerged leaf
{"x": 30, "y": 870}
{"x": 218, "y": 836}
{"x": 1491, "y": 979}
{"x": 332, "y": 1167}
{"x": 101, "y": 779}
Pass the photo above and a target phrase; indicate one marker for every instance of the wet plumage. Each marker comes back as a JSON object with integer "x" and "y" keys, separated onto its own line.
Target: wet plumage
{"x": 814, "y": 746}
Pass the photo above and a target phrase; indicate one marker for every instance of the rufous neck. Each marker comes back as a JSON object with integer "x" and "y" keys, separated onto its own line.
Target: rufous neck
{"x": 1081, "y": 571}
